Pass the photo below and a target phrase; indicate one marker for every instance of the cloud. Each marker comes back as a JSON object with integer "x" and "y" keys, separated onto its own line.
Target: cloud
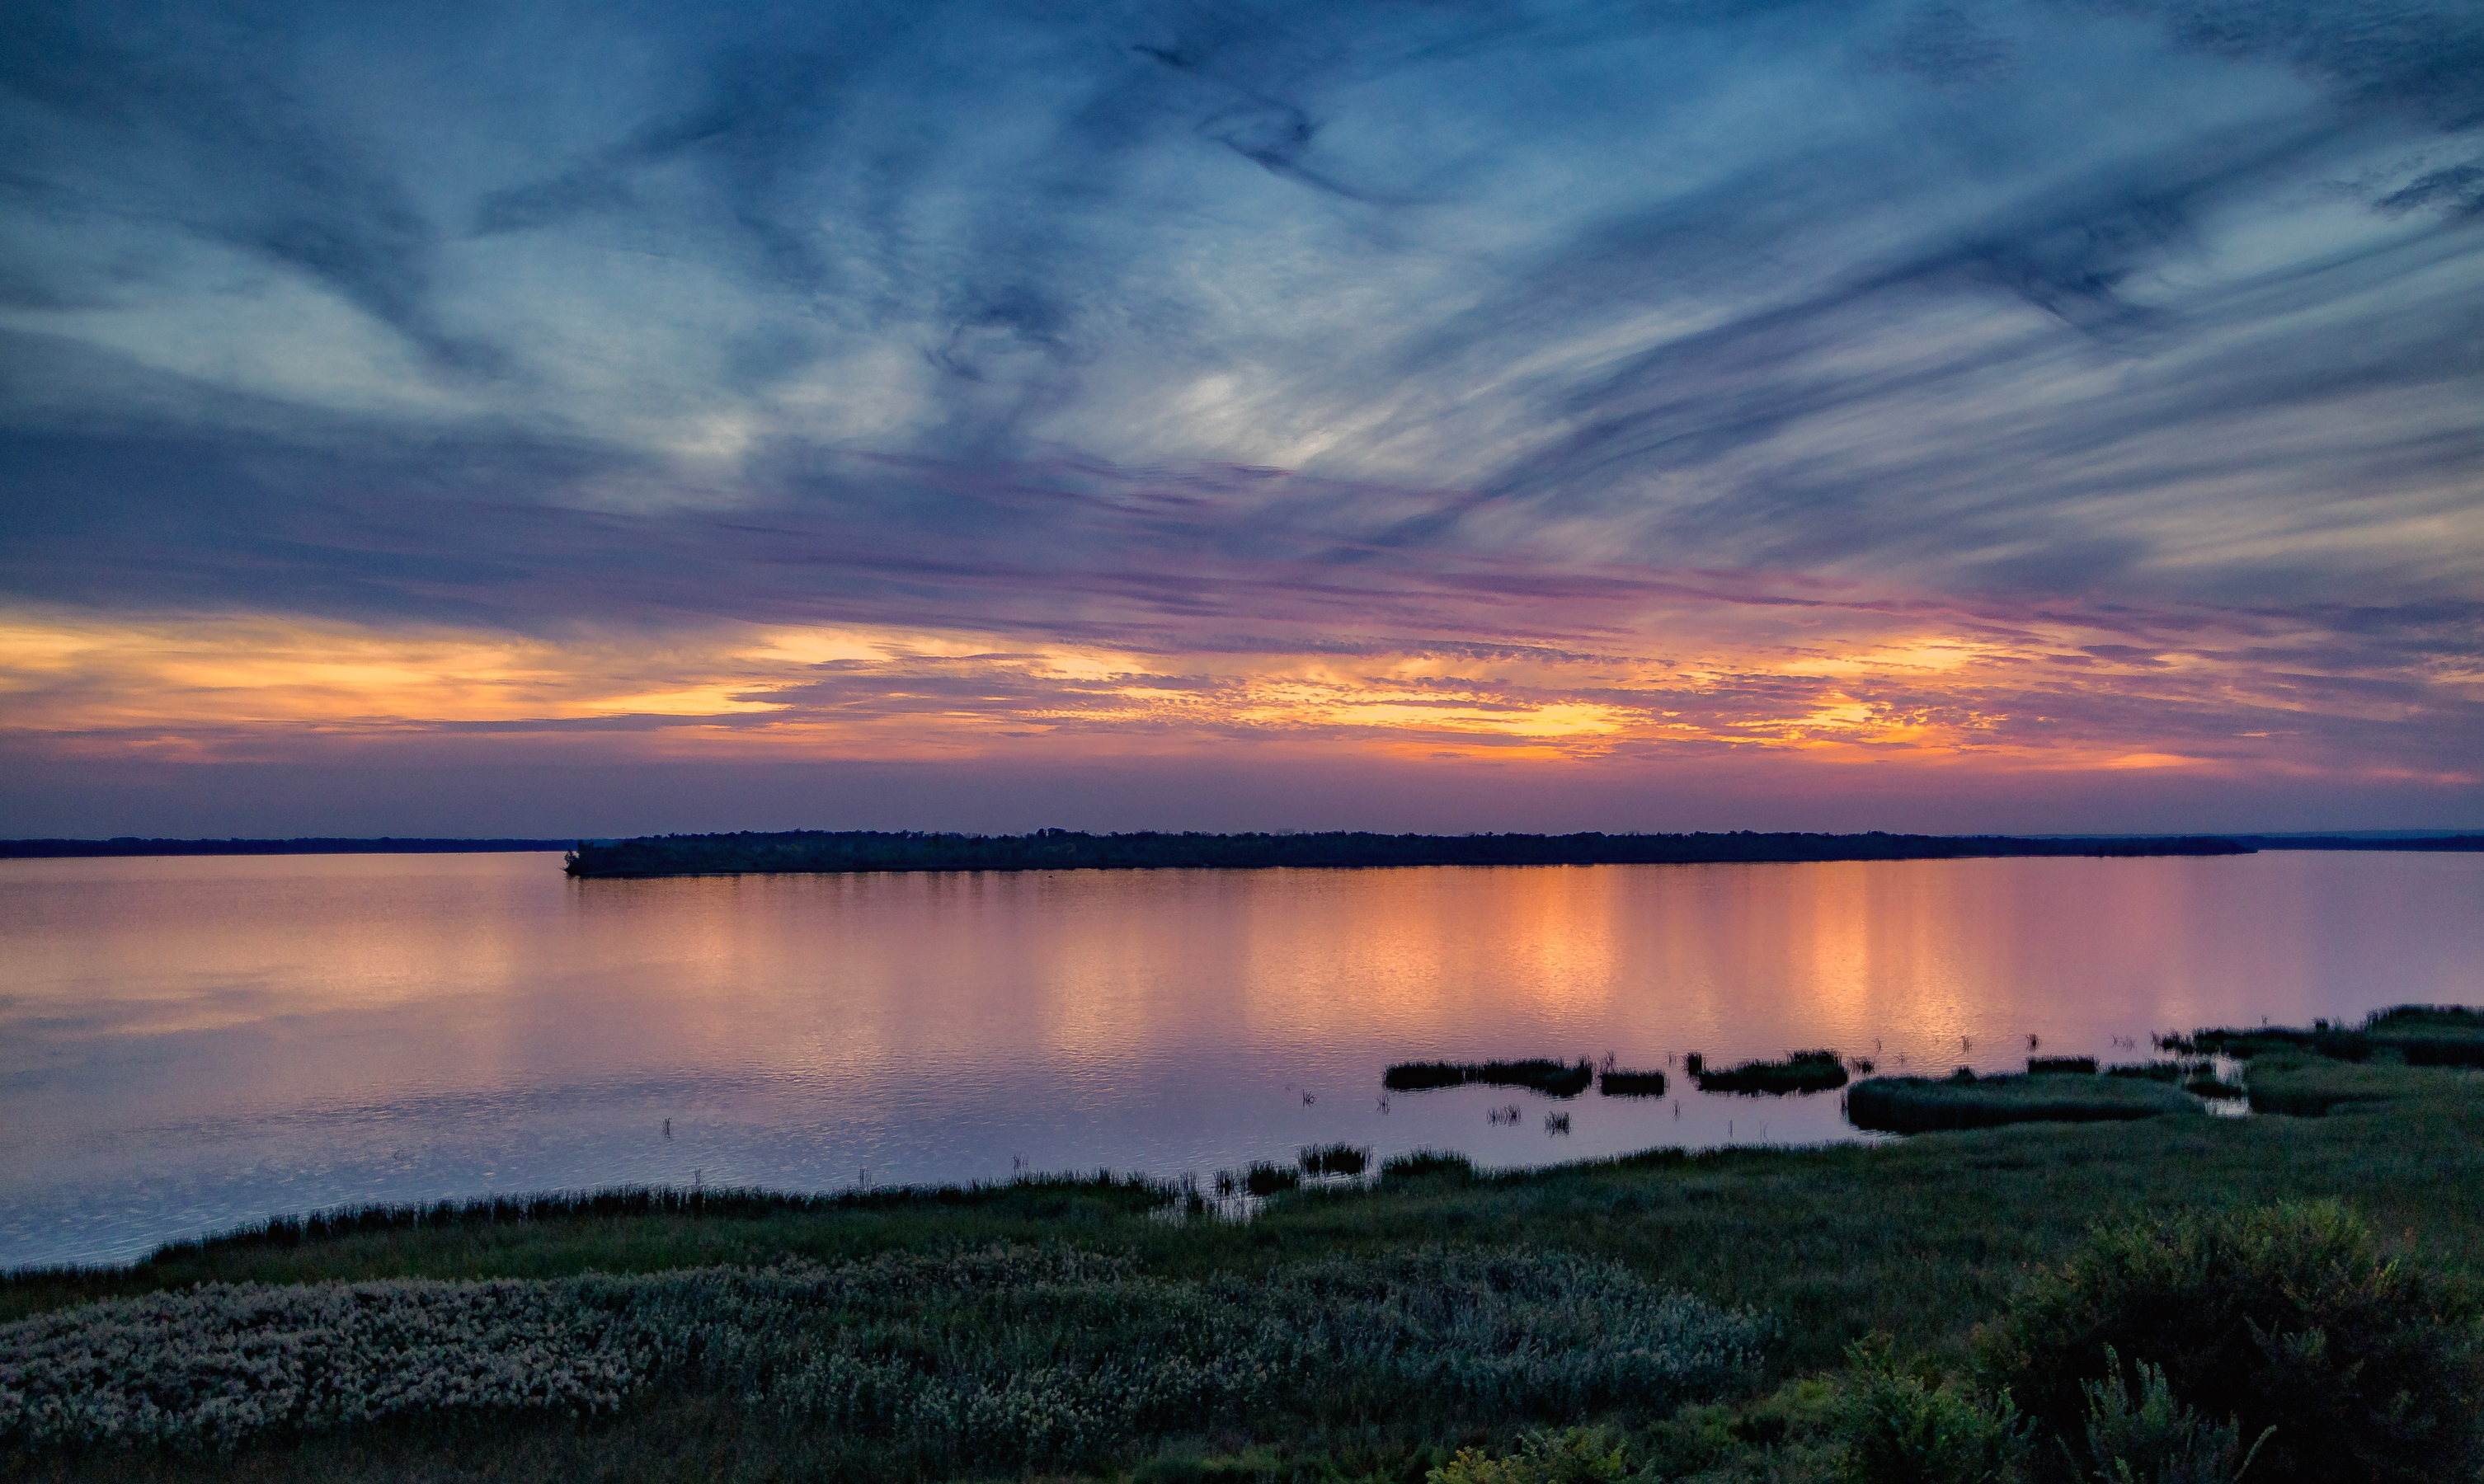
{"x": 1318, "y": 362}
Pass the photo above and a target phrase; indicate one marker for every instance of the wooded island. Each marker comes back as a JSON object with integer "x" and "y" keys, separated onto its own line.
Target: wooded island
{"x": 1062, "y": 849}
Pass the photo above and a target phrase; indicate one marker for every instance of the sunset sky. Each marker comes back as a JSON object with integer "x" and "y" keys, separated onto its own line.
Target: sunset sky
{"x": 2061, "y": 416}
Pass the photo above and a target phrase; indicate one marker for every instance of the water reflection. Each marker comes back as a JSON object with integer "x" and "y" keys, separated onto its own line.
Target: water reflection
{"x": 190, "y": 1042}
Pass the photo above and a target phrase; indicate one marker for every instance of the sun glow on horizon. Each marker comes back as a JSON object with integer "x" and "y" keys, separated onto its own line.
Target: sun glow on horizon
{"x": 234, "y": 685}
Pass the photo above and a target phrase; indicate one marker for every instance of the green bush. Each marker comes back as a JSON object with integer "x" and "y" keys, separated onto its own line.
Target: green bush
{"x": 1904, "y": 1429}
{"x": 2145, "y": 1437}
{"x": 1580, "y": 1455}
{"x": 2282, "y": 1316}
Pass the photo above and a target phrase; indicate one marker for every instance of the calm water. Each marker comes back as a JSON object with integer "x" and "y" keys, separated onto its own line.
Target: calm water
{"x": 190, "y": 1042}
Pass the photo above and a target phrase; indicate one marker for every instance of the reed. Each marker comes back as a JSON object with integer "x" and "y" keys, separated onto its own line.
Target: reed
{"x": 1264, "y": 1178}
{"x": 2061, "y": 1066}
{"x": 1427, "y": 1165}
{"x": 1335, "y": 1159}
{"x": 1802, "y": 1071}
{"x": 1630, "y": 1084}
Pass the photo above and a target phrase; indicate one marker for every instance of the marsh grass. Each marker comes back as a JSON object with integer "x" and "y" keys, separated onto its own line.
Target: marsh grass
{"x": 1801, "y": 1071}
{"x": 1552, "y": 1079}
{"x": 1910, "y": 1105}
{"x": 1335, "y": 1159}
{"x": 2302, "y": 1085}
{"x": 2159, "y": 1072}
{"x": 1630, "y": 1084}
{"x": 1429, "y": 1165}
{"x": 1264, "y": 1178}
{"x": 2416, "y": 1035}
{"x": 1005, "y": 1359}
{"x": 2061, "y": 1066}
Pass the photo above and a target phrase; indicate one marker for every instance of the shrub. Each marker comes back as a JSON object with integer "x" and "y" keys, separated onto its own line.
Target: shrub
{"x": 2148, "y": 1438}
{"x": 1904, "y": 1429}
{"x": 1580, "y": 1455}
{"x": 2283, "y": 1317}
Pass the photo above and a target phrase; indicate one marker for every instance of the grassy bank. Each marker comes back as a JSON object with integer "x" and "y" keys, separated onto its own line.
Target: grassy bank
{"x": 1919, "y": 1241}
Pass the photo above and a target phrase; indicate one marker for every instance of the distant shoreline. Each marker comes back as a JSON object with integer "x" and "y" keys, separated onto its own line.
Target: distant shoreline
{"x": 308, "y": 845}
{"x": 851, "y": 850}
{"x": 848, "y": 850}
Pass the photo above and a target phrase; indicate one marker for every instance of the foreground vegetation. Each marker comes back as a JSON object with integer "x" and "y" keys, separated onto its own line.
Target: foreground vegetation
{"x": 2043, "y": 1302}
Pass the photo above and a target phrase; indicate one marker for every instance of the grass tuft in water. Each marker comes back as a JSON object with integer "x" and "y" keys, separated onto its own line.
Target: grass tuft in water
{"x": 1335, "y": 1159}
{"x": 1428, "y": 1165}
{"x": 1264, "y": 1178}
{"x": 2061, "y": 1066}
{"x": 1552, "y": 1079}
{"x": 1802, "y": 1071}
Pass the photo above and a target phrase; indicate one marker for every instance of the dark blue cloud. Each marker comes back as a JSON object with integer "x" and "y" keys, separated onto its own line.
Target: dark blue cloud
{"x": 665, "y": 313}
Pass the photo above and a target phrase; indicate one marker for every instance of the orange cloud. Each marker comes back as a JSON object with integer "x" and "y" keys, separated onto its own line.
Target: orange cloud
{"x": 1811, "y": 682}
